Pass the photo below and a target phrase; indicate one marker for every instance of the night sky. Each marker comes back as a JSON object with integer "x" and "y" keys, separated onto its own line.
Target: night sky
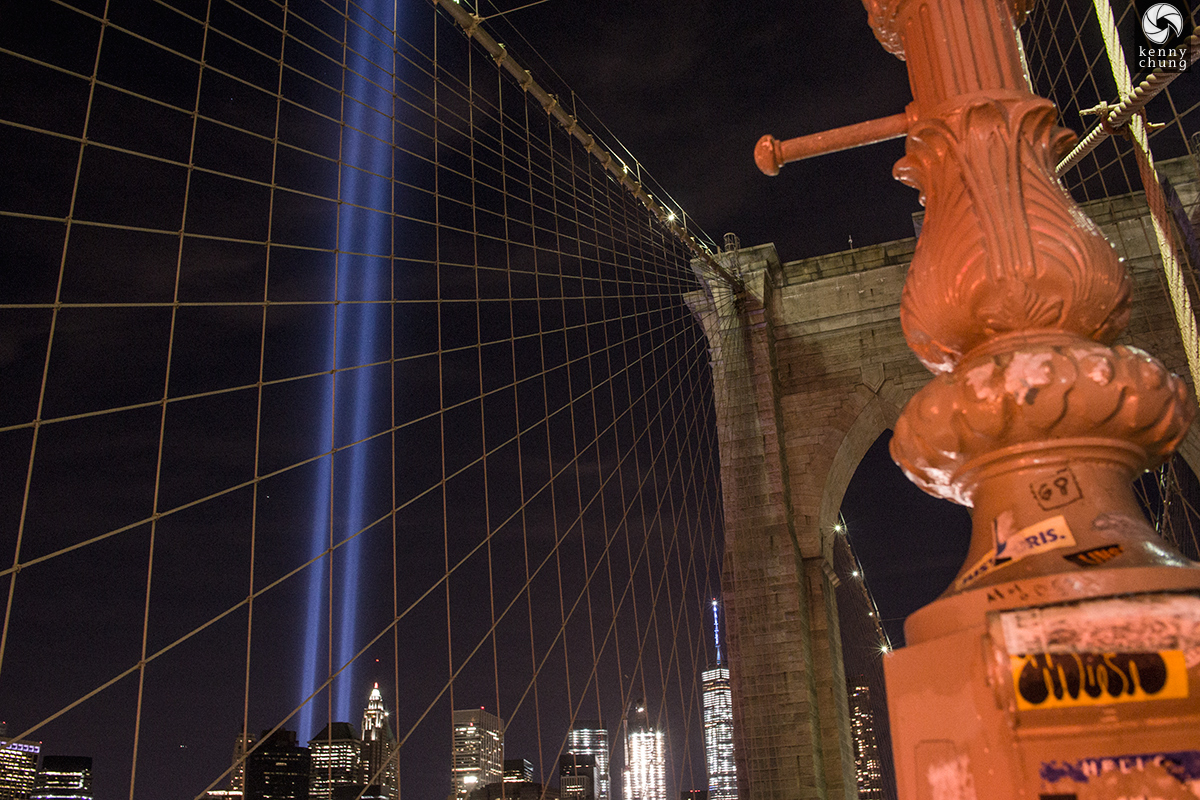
{"x": 687, "y": 88}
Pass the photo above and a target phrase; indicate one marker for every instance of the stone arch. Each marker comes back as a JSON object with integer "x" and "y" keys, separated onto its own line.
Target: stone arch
{"x": 877, "y": 416}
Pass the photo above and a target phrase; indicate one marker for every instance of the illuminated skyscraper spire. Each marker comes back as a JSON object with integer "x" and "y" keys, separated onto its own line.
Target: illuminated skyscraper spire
{"x": 379, "y": 746}
{"x": 375, "y": 717}
{"x": 717, "y": 630}
{"x": 718, "y": 723}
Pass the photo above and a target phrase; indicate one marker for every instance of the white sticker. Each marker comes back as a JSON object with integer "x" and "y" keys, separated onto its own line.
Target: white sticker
{"x": 1012, "y": 546}
{"x": 1049, "y": 534}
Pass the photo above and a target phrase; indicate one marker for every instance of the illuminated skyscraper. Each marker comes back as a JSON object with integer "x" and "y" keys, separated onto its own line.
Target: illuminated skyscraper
{"x": 590, "y": 738}
{"x": 478, "y": 751}
{"x": 18, "y": 766}
{"x": 866, "y": 751}
{"x": 718, "y": 723}
{"x": 379, "y": 746}
{"x": 645, "y": 757}
{"x": 237, "y": 778}
{"x": 63, "y": 778}
{"x": 577, "y": 777}
{"x": 336, "y": 760}
{"x": 517, "y": 770}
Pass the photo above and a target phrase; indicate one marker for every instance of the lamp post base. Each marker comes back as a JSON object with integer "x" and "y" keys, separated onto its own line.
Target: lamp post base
{"x": 1057, "y": 687}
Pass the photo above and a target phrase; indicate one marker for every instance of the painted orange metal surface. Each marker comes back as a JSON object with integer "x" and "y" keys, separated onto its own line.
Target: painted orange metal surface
{"x": 1037, "y": 672}
{"x": 1064, "y": 660}
{"x": 770, "y": 154}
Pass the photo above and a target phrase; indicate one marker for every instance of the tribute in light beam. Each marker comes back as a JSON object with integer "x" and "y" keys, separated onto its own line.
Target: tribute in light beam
{"x": 359, "y": 336}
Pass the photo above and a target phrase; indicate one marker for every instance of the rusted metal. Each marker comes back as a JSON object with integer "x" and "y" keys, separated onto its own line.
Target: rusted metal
{"x": 770, "y": 154}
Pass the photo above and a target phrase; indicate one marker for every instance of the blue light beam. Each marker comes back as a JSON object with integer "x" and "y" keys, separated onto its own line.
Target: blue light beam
{"x": 359, "y": 336}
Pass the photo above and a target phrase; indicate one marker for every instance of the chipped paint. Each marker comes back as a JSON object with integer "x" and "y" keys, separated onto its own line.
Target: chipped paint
{"x": 1164, "y": 776}
{"x": 1127, "y": 624}
{"x": 980, "y": 380}
{"x": 1025, "y": 374}
{"x": 951, "y": 779}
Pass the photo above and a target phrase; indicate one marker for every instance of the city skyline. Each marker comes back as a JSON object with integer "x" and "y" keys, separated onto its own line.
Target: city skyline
{"x": 275, "y": 766}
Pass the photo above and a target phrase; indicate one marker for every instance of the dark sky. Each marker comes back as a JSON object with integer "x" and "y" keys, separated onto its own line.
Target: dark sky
{"x": 687, "y": 87}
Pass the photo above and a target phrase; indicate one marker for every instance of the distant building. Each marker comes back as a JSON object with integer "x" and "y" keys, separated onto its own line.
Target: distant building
{"x": 18, "y": 766}
{"x": 694, "y": 794}
{"x": 866, "y": 750}
{"x": 63, "y": 778}
{"x": 237, "y": 778}
{"x": 718, "y": 733}
{"x": 518, "y": 770}
{"x": 336, "y": 760}
{"x": 237, "y": 775}
{"x": 577, "y": 777}
{"x": 379, "y": 749}
{"x": 478, "y": 758}
{"x": 645, "y": 757}
{"x": 718, "y": 723}
{"x": 278, "y": 769}
{"x": 590, "y": 738}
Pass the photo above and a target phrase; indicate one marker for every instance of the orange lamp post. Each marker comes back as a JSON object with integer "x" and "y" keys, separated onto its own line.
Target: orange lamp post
{"x": 1064, "y": 660}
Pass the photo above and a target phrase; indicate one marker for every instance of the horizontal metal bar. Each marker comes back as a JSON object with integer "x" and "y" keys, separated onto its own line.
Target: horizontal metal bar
{"x": 770, "y": 154}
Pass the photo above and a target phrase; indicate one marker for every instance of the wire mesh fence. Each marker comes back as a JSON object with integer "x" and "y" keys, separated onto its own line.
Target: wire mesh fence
{"x": 330, "y": 361}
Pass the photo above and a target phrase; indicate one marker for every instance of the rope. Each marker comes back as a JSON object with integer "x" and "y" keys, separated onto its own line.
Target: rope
{"x": 1115, "y": 117}
{"x": 1160, "y": 217}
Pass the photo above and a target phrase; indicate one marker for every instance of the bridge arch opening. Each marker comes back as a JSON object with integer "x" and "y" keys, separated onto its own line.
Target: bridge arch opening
{"x": 908, "y": 544}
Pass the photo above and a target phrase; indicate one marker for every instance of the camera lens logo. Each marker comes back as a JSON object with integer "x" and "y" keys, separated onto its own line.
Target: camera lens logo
{"x": 1162, "y": 21}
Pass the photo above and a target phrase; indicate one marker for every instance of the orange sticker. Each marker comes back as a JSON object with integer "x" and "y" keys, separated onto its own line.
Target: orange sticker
{"x": 1070, "y": 680}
